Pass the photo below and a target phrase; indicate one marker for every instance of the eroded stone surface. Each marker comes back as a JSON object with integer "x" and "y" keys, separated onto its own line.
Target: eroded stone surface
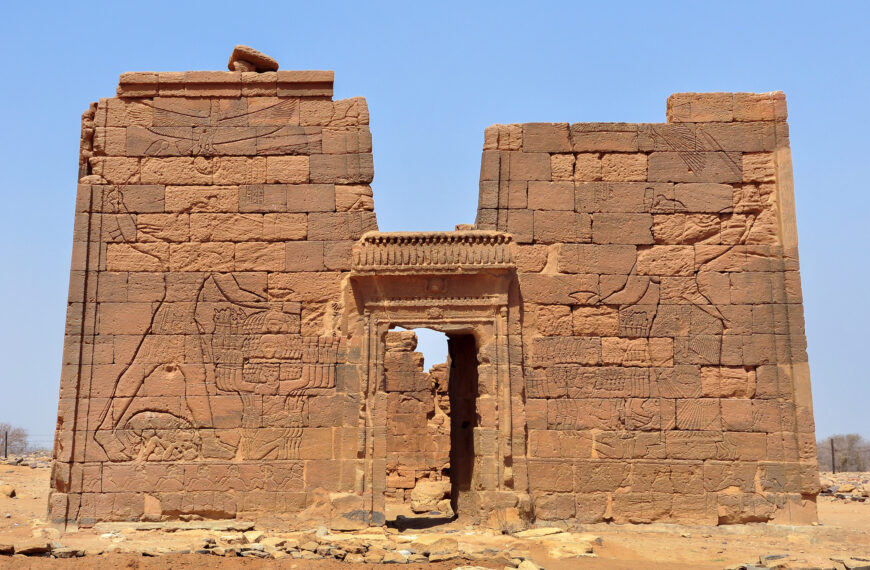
{"x": 624, "y": 320}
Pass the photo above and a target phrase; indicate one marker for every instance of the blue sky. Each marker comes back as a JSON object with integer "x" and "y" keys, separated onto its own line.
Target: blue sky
{"x": 435, "y": 75}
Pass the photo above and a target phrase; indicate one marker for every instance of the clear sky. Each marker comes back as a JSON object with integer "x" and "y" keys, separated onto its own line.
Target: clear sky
{"x": 435, "y": 75}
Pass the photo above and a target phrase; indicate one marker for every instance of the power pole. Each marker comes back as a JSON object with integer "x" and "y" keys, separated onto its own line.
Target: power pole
{"x": 6, "y": 444}
{"x": 833, "y": 460}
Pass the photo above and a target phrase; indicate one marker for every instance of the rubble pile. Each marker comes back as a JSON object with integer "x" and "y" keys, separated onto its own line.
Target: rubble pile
{"x": 848, "y": 486}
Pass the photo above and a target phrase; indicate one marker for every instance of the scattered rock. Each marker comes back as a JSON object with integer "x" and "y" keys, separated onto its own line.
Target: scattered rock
{"x": 253, "y": 536}
{"x": 394, "y": 558}
{"x": 309, "y": 546}
{"x": 442, "y": 546}
{"x": 234, "y": 539}
{"x": 246, "y": 58}
{"x": 66, "y": 552}
{"x": 6, "y": 549}
{"x": 528, "y": 565}
{"x": 276, "y": 542}
{"x": 570, "y": 550}
{"x": 538, "y": 532}
{"x": 445, "y": 508}
{"x": 441, "y": 557}
{"x": 845, "y": 488}
{"x": 766, "y": 559}
{"x": 427, "y": 494}
{"x": 7, "y": 491}
{"x": 32, "y": 547}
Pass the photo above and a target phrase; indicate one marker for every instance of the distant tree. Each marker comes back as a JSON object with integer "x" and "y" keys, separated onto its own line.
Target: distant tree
{"x": 851, "y": 453}
{"x": 17, "y": 439}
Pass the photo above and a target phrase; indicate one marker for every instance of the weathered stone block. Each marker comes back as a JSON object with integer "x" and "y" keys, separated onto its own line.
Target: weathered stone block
{"x": 622, "y": 228}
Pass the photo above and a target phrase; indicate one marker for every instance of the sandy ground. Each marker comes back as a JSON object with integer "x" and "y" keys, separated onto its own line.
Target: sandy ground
{"x": 843, "y": 533}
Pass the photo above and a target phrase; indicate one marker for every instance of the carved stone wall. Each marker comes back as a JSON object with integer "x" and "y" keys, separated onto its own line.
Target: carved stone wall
{"x": 202, "y": 373}
{"x": 626, "y": 313}
{"x": 665, "y": 358}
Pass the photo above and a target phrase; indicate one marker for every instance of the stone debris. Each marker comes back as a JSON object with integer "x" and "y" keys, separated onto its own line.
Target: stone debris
{"x": 428, "y": 495}
{"x": 32, "y": 547}
{"x": 245, "y": 58}
{"x": 846, "y": 486}
{"x": 7, "y": 491}
{"x": 538, "y": 532}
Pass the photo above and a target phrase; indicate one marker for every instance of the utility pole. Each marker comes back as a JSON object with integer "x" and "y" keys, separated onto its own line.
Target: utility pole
{"x": 6, "y": 444}
{"x": 833, "y": 460}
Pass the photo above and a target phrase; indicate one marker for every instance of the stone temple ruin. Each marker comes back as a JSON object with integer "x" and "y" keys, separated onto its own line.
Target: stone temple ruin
{"x": 626, "y": 338}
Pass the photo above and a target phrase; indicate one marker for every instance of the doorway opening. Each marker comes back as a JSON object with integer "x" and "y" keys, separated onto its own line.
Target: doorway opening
{"x": 462, "y": 391}
{"x": 431, "y": 416}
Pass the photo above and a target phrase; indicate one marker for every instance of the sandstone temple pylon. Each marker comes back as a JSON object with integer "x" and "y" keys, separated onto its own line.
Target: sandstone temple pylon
{"x": 624, "y": 319}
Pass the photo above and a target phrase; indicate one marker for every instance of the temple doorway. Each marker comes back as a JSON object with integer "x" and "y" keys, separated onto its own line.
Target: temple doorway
{"x": 432, "y": 414}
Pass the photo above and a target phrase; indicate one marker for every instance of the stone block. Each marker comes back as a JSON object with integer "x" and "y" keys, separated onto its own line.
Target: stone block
{"x": 295, "y": 83}
{"x": 239, "y": 170}
{"x": 225, "y": 227}
{"x": 700, "y": 107}
{"x": 696, "y": 166}
{"x": 546, "y": 137}
{"x": 530, "y": 258}
{"x": 304, "y": 286}
{"x": 342, "y": 168}
{"x": 587, "y": 167}
{"x": 194, "y": 199}
{"x": 622, "y": 228}
{"x": 686, "y": 229}
{"x": 213, "y": 256}
{"x": 714, "y": 198}
{"x": 554, "y": 476}
{"x": 562, "y": 227}
{"x": 759, "y": 167}
{"x": 521, "y": 223}
{"x": 595, "y": 321}
{"x": 623, "y": 167}
{"x": 346, "y": 140}
{"x": 340, "y": 225}
{"x": 760, "y": 106}
{"x": 212, "y": 84}
{"x": 551, "y": 195}
{"x": 525, "y": 166}
{"x": 304, "y": 256}
{"x": 604, "y": 137}
{"x": 287, "y": 169}
{"x": 310, "y": 198}
{"x": 259, "y": 256}
{"x": 559, "y": 289}
{"x": 666, "y": 260}
{"x": 137, "y": 84}
{"x": 354, "y": 197}
{"x": 627, "y": 197}
{"x": 562, "y": 167}
{"x": 589, "y": 258}
{"x": 138, "y": 257}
